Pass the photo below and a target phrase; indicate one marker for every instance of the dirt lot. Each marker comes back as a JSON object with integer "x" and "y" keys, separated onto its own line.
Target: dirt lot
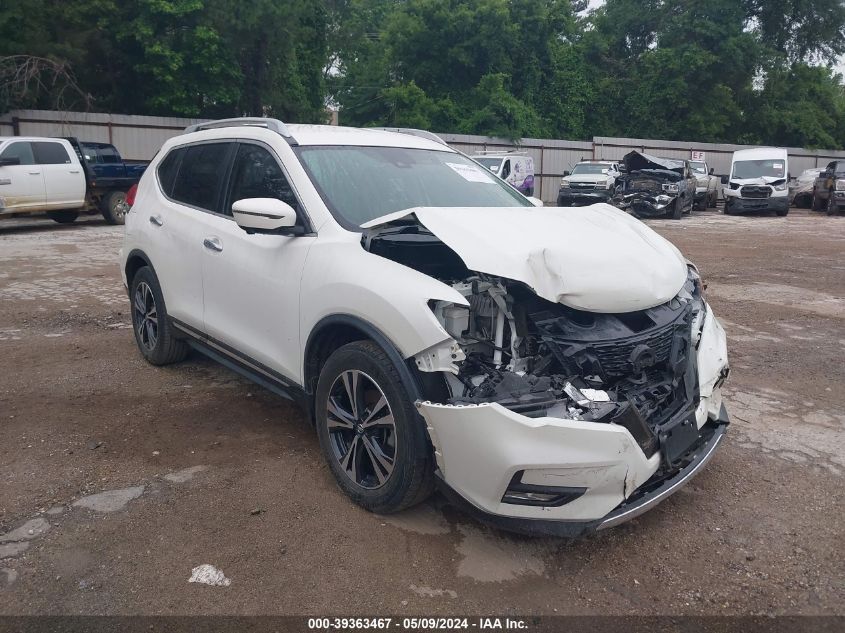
{"x": 760, "y": 531}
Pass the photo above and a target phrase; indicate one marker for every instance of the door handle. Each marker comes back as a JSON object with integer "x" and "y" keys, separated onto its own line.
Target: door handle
{"x": 35, "y": 173}
{"x": 156, "y": 220}
{"x": 74, "y": 171}
{"x": 212, "y": 244}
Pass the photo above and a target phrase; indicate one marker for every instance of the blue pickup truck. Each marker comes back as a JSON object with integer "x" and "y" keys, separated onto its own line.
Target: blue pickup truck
{"x": 107, "y": 177}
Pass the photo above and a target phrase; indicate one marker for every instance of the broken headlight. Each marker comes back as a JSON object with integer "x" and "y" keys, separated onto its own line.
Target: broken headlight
{"x": 780, "y": 187}
{"x": 669, "y": 187}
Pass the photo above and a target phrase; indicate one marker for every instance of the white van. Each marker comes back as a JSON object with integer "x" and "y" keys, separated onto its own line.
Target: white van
{"x": 759, "y": 181}
{"x": 515, "y": 168}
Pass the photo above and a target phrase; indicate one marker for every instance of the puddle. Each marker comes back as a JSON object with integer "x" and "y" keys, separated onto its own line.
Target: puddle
{"x": 185, "y": 475}
{"x": 110, "y": 500}
{"x": 422, "y": 519}
{"x": 490, "y": 558}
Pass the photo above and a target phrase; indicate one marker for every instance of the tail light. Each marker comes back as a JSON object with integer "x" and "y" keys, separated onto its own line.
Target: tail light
{"x": 130, "y": 195}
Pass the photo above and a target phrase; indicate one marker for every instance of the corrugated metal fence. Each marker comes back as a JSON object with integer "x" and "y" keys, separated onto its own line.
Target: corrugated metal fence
{"x": 139, "y": 137}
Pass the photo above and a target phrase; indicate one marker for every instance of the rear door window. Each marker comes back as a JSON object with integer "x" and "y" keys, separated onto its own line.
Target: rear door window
{"x": 20, "y": 150}
{"x": 201, "y": 174}
{"x": 47, "y": 153}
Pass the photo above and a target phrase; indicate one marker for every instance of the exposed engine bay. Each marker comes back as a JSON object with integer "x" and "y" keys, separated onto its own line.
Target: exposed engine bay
{"x": 544, "y": 359}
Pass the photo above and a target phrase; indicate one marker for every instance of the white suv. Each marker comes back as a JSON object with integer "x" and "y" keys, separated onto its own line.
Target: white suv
{"x": 560, "y": 372}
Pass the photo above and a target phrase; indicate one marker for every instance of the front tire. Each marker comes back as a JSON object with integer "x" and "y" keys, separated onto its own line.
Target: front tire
{"x": 832, "y": 207}
{"x": 816, "y": 204}
{"x": 677, "y": 209}
{"x": 113, "y": 207}
{"x": 63, "y": 217}
{"x": 153, "y": 332}
{"x": 371, "y": 436}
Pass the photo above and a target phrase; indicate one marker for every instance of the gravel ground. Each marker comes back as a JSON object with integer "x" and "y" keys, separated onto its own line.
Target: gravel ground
{"x": 194, "y": 466}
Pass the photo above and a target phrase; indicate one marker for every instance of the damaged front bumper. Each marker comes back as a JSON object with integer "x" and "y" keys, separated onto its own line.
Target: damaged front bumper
{"x": 599, "y": 471}
{"x": 568, "y": 477}
{"x": 739, "y": 205}
{"x": 582, "y": 197}
{"x": 645, "y": 204}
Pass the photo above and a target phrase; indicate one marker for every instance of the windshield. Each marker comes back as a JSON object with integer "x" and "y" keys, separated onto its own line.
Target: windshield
{"x": 492, "y": 164}
{"x": 768, "y": 168}
{"x": 698, "y": 168}
{"x": 359, "y": 184}
{"x": 591, "y": 168}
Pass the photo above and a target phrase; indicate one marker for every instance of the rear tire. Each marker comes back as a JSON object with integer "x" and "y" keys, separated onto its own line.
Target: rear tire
{"x": 377, "y": 448}
{"x": 63, "y": 217}
{"x": 113, "y": 208}
{"x": 154, "y": 334}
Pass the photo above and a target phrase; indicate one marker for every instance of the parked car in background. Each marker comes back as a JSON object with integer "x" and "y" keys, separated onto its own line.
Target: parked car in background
{"x": 655, "y": 187}
{"x": 515, "y": 168}
{"x": 801, "y": 188}
{"x": 707, "y": 185}
{"x": 63, "y": 177}
{"x": 107, "y": 176}
{"x": 829, "y": 188}
{"x": 590, "y": 181}
{"x": 556, "y": 373}
{"x": 758, "y": 181}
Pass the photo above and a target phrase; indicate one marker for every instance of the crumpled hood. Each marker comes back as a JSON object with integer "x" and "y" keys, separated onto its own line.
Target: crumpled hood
{"x": 594, "y": 258}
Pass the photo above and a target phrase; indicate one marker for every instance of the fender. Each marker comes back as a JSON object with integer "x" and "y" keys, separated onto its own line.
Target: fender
{"x": 407, "y": 378}
{"x": 136, "y": 252}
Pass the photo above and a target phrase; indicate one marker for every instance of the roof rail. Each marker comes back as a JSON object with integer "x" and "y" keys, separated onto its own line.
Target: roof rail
{"x": 247, "y": 121}
{"x": 431, "y": 136}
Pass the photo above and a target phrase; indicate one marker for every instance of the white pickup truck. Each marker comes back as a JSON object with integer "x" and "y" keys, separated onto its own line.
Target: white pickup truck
{"x": 707, "y": 185}
{"x": 63, "y": 178}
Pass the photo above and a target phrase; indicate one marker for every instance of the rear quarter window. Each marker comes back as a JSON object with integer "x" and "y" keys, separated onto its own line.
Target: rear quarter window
{"x": 167, "y": 170}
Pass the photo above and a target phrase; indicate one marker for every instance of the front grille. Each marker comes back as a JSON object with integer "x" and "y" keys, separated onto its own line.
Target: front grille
{"x": 582, "y": 186}
{"x": 616, "y": 357}
{"x": 644, "y": 357}
{"x": 645, "y": 185}
{"x": 755, "y": 191}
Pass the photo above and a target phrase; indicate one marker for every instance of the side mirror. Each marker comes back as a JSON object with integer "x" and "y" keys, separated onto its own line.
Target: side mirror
{"x": 263, "y": 215}
{"x": 8, "y": 162}
{"x": 535, "y": 201}
{"x": 712, "y": 169}
{"x": 723, "y": 179}
{"x": 567, "y": 173}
